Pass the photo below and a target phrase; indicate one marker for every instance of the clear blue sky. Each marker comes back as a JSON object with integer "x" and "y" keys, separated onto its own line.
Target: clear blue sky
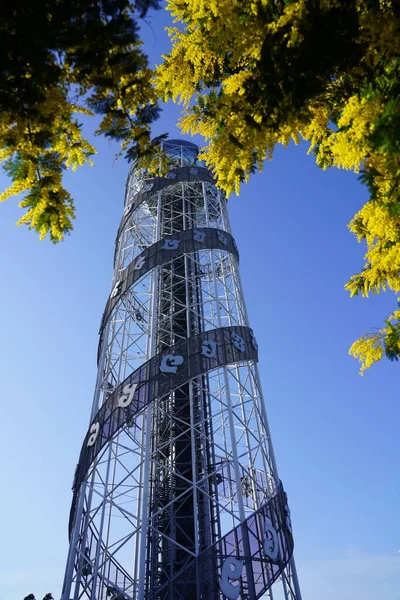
{"x": 335, "y": 433}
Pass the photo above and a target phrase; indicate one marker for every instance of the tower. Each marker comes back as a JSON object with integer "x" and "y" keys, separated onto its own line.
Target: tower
{"x": 176, "y": 494}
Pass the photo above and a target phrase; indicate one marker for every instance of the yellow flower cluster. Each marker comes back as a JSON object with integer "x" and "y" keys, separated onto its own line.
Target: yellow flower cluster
{"x": 368, "y": 350}
{"x": 21, "y": 185}
{"x": 293, "y": 14}
{"x": 213, "y": 69}
{"x": 349, "y": 147}
{"x": 53, "y": 213}
{"x": 377, "y": 223}
{"x": 50, "y": 207}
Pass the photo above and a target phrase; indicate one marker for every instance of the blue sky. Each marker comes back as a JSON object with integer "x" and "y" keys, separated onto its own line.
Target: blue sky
{"x": 335, "y": 433}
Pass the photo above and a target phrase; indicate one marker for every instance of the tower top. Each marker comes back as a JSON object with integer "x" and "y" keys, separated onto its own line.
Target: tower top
{"x": 180, "y": 153}
{"x": 179, "y": 142}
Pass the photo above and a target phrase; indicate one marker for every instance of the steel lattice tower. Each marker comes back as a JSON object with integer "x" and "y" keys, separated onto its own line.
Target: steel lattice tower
{"x": 176, "y": 494}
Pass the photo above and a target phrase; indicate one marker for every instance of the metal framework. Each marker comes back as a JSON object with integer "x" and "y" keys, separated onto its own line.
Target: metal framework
{"x": 176, "y": 494}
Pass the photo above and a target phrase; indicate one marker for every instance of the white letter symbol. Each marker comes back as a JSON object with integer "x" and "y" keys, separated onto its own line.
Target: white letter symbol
{"x": 209, "y": 348}
{"x": 271, "y": 544}
{"x": 227, "y": 573}
{"x": 127, "y": 395}
{"x": 199, "y": 236}
{"x": 170, "y": 363}
{"x": 115, "y": 291}
{"x": 238, "y": 342}
{"x": 222, "y": 237}
{"x": 94, "y": 431}
{"x": 139, "y": 263}
{"x": 170, "y": 245}
{"x": 127, "y": 209}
